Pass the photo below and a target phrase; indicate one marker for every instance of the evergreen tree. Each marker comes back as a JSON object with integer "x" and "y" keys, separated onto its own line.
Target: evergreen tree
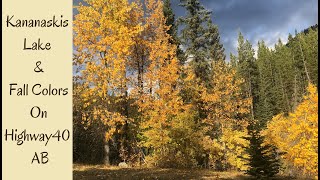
{"x": 300, "y": 80}
{"x": 216, "y": 50}
{"x": 267, "y": 86}
{"x": 193, "y": 37}
{"x": 308, "y": 44}
{"x": 284, "y": 76}
{"x": 200, "y": 38}
{"x": 233, "y": 61}
{"x": 262, "y": 161}
{"x": 173, "y": 31}
{"x": 248, "y": 70}
{"x": 304, "y": 62}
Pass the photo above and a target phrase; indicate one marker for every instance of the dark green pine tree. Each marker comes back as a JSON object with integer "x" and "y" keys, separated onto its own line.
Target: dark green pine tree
{"x": 284, "y": 76}
{"x": 248, "y": 70}
{"x": 262, "y": 161}
{"x": 267, "y": 105}
{"x": 201, "y": 39}
{"x": 216, "y": 49}
{"x": 233, "y": 61}
{"x": 201, "y": 43}
{"x": 300, "y": 81}
{"x": 173, "y": 31}
{"x": 194, "y": 39}
{"x": 310, "y": 47}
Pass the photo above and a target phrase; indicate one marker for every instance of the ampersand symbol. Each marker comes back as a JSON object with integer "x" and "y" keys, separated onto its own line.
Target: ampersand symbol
{"x": 37, "y": 68}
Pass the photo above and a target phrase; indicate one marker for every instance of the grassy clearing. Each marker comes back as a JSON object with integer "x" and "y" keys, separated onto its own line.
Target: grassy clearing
{"x": 101, "y": 172}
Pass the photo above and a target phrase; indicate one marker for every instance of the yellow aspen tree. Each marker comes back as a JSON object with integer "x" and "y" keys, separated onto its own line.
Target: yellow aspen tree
{"x": 138, "y": 61}
{"x": 103, "y": 33}
{"x": 160, "y": 101}
{"x": 296, "y": 135}
{"x": 224, "y": 102}
{"x": 226, "y": 123}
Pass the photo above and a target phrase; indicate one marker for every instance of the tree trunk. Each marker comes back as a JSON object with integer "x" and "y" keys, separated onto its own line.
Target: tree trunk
{"x": 295, "y": 100}
{"x": 107, "y": 153}
{"x": 304, "y": 62}
{"x": 284, "y": 93}
{"x": 251, "y": 96}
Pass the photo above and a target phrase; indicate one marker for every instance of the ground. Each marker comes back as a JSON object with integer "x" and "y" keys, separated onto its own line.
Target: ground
{"x": 100, "y": 172}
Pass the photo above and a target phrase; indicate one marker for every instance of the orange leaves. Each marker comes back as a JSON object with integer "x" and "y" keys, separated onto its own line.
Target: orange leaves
{"x": 103, "y": 37}
{"x": 224, "y": 102}
{"x": 226, "y": 109}
{"x": 297, "y": 134}
{"x": 159, "y": 101}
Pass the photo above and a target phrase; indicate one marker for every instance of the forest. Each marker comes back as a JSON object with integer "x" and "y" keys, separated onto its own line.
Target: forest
{"x": 155, "y": 90}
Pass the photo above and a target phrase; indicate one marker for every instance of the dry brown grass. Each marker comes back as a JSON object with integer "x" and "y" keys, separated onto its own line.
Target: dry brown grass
{"x": 101, "y": 172}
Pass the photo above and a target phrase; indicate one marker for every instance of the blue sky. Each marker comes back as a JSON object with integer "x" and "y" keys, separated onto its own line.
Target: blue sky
{"x": 266, "y": 20}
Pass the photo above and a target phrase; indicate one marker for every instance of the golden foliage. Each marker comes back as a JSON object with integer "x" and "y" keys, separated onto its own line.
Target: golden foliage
{"x": 227, "y": 110}
{"x": 224, "y": 102}
{"x": 229, "y": 148}
{"x": 179, "y": 118}
{"x": 103, "y": 32}
{"x": 297, "y": 134}
{"x": 160, "y": 101}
